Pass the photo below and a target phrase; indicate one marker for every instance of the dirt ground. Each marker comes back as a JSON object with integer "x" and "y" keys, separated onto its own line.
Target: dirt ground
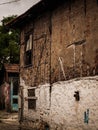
{"x": 9, "y": 121}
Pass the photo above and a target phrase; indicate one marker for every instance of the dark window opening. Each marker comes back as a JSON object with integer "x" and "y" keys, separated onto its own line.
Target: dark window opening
{"x": 31, "y": 101}
{"x": 32, "y": 104}
{"x": 31, "y": 92}
{"x": 28, "y": 50}
{"x": 28, "y": 56}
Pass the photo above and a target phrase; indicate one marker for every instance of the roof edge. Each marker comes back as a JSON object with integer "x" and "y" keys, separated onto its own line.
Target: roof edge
{"x": 34, "y": 12}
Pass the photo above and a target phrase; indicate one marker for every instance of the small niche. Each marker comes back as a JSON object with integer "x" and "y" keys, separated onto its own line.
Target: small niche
{"x": 77, "y": 96}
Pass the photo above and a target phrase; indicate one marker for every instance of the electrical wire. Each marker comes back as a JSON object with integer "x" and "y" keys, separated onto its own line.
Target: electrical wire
{"x": 9, "y": 2}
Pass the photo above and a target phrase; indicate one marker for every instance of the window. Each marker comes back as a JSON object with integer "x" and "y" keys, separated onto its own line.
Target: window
{"x": 28, "y": 50}
{"x": 31, "y": 99}
{"x": 32, "y": 104}
{"x": 31, "y": 92}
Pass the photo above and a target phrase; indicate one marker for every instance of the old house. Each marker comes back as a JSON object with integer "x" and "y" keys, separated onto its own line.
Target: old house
{"x": 9, "y": 87}
{"x": 59, "y": 64}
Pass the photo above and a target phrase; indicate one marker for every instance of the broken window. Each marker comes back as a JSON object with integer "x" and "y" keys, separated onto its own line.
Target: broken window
{"x": 31, "y": 99}
{"x": 28, "y": 50}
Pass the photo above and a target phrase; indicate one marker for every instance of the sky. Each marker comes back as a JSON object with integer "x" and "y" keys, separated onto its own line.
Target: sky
{"x": 10, "y": 7}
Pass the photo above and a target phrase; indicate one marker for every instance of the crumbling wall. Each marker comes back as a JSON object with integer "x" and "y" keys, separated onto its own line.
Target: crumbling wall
{"x": 64, "y": 48}
{"x": 68, "y": 110}
{"x": 39, "y": 71}
{"x": 74, "y": 40}
{"x": 64, "y": 43}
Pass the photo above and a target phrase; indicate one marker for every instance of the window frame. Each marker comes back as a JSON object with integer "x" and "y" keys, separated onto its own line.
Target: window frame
{"x": 31, "y": 98}
{"x": 28, "y": 50}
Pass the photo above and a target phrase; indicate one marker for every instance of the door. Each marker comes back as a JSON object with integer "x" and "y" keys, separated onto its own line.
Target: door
{"x": 14, "y": 93}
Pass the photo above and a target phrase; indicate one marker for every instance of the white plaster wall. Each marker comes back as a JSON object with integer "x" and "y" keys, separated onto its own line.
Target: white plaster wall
{"x": 68, "y": 112}
{"x": 64, "y": 112}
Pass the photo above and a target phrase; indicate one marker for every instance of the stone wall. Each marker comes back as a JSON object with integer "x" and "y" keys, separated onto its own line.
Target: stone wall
{"x": 61, "y": 110}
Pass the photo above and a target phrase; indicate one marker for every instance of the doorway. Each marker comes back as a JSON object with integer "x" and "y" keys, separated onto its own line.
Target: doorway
{"x": 14, "y": 93}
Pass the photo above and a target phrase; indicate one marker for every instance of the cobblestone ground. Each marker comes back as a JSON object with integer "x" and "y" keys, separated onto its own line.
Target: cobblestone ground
{"x": 9, "y": 121}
